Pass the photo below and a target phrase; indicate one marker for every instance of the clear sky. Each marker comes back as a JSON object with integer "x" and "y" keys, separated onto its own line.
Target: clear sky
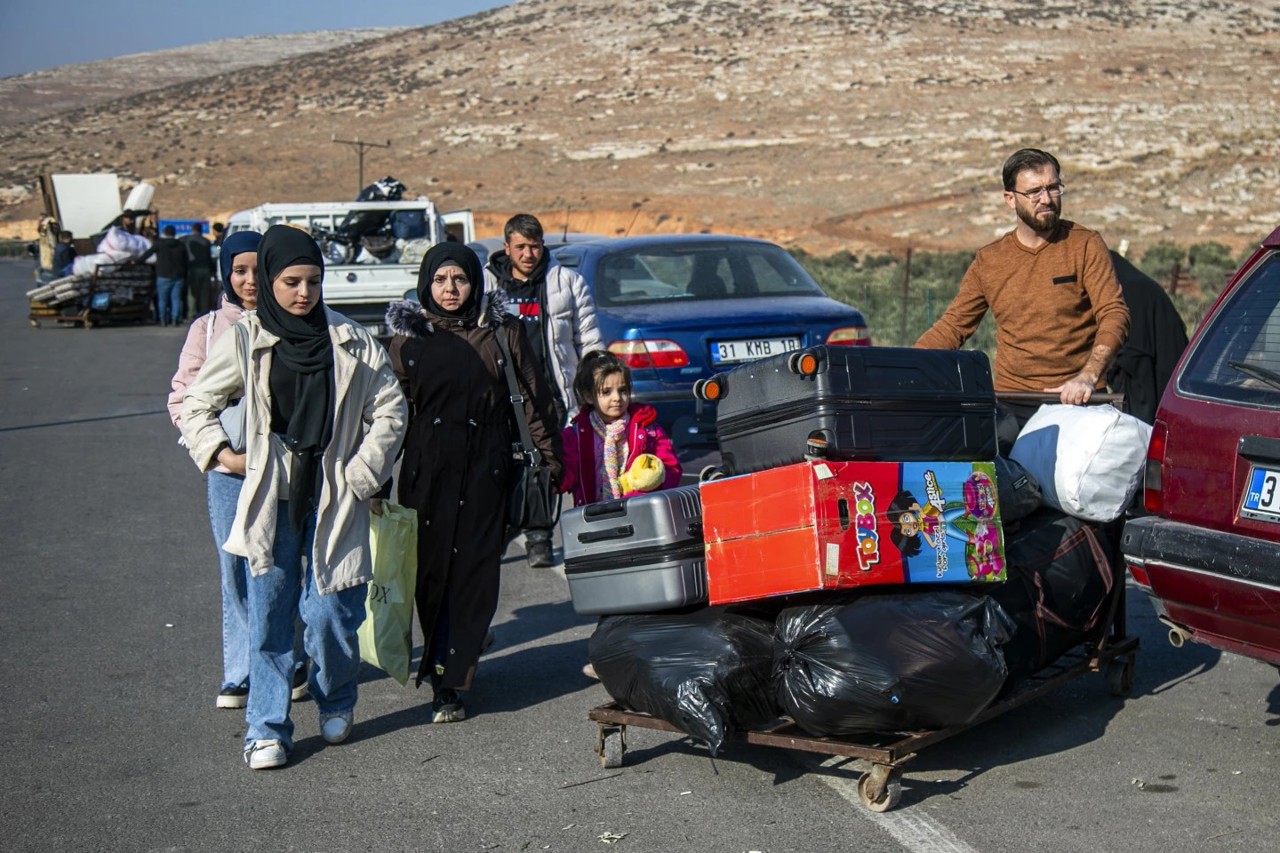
{"x": 37, "y": 34}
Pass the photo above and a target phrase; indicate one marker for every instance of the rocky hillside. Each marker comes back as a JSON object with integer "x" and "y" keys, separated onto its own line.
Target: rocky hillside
{"x": 25, "y": 97}
{"x": 820, "y": 123}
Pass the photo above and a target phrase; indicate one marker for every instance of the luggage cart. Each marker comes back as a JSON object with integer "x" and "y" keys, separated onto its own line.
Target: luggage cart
{"x": 1110, "y": 652}
{"x": 114, "y": 293}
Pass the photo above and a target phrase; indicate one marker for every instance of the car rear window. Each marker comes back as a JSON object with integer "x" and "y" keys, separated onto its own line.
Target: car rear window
{"x": 1237, "y": 359}
{"x": 694, "y": 273}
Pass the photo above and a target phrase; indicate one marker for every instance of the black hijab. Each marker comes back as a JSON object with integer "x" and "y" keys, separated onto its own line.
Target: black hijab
{"x": 457, "y": 254}
{"x": 301, "y": 381}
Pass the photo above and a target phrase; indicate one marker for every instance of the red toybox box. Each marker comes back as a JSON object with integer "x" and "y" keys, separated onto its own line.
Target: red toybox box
{"x": 838, "y": 525}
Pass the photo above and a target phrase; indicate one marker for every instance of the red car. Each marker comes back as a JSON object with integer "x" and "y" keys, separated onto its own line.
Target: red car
{"x": 1209, "y": 553}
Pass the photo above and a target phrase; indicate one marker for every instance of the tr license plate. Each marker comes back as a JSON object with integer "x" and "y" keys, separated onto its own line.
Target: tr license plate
{"x": 1262, "y": 498}
{"x": 729, "y": 352}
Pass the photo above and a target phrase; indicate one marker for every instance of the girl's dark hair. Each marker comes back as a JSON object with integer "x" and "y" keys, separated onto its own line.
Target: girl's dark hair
{"x": 908, "y": 546}
{"x": 592, "y": 371}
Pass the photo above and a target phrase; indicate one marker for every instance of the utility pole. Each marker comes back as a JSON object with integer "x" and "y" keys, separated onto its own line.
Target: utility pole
{"x": 360, "y": 147}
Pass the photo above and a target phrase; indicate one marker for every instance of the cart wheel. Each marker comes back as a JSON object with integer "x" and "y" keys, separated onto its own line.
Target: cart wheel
{"x": 708, "y": 473}
{"x": 612, "y": 748}
{"x": 711, "y": 389}
{"x": 881, "y": 789}
{"x": 1120, "y": 676}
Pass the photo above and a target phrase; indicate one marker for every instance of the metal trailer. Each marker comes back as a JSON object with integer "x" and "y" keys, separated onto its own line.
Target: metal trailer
{"x": 115, "y": 293}
{"x": 1110, "y": 651}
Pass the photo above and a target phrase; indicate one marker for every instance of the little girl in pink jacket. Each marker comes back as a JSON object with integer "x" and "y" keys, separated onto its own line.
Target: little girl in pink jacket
{"x": 613, "y": 448}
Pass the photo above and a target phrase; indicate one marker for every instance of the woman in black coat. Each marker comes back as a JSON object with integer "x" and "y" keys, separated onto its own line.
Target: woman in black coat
{"x": 457, "y": 463}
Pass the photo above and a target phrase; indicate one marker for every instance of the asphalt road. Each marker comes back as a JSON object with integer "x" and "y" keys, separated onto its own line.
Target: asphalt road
{"x": 110, "y": 739}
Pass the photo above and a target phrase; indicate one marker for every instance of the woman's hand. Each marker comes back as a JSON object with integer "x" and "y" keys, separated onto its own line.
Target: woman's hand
{"x": 375, "y": 506}
{"x": 232, "y": 461}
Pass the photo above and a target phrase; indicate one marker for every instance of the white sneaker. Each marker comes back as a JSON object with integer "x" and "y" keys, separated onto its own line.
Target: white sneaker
{"x": 298, "y": 688}
{"x": 335, "y": 728}
{"x": 265, "y": 754}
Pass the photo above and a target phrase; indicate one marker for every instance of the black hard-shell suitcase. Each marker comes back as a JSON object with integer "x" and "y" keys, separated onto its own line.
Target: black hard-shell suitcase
{"x": 891, "y": 404}
{"x": 636, "y": 555}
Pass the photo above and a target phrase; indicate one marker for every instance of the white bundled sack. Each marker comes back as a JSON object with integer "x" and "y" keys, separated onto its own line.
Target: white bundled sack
{"x": 122, "y": 246}
{"x": 84, "y": 265}
{"x": 1087, "y": 459}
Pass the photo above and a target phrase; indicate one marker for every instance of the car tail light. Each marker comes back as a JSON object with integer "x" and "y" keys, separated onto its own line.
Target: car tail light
{"x": 1140, "y": 577}
{"x": 1153, "y": 489}
{"x": 850, "y": 336}
{"x": 650, "y": 354}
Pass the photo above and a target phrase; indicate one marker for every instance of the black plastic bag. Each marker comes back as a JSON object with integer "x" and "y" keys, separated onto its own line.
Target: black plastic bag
{"x": 706, "y": 672}
{"x": 889, "y": 663}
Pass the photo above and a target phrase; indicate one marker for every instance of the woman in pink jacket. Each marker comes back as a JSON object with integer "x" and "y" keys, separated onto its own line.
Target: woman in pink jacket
{"x": 613, "y": 448}
{"x": 238, "y": 262}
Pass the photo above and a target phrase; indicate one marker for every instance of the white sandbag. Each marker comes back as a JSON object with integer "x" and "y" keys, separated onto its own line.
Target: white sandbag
{"x": 86, "y": 264}
{"x": 1088, "y": 459}
{"x": 140, "y": 197}
{"x": 122, "y": 246}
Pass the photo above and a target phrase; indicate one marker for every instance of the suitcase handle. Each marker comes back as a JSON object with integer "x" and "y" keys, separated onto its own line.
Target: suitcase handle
{"x": 626, "y": 531}
{"x": 604, "y": 509}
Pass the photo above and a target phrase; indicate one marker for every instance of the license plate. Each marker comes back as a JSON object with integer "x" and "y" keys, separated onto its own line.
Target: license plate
{"x": 378, "y": 330}
{"x": 729, "y": 352}
{"x": 1262, "y": 498}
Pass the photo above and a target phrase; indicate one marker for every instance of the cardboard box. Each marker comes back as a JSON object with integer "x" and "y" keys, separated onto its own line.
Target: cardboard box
{"x": 839, "y": 525}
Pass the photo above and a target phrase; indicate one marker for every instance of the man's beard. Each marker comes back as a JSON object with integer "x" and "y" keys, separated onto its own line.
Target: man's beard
{"x": 1042, "y": 224}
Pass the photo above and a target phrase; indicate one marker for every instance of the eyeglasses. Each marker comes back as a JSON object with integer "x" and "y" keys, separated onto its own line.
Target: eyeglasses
{"x": 1054, "y": 191}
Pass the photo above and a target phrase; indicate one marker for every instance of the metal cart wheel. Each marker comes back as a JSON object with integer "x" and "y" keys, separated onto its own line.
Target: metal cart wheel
{"x": 881, "y": 789}
{"x": 708, "y": 473}
{"x": 612, "y": 746}
{"x": 1120, "y": 675}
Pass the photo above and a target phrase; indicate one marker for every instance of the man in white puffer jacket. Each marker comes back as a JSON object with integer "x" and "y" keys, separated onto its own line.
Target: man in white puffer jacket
{"x": 560, "y": 314}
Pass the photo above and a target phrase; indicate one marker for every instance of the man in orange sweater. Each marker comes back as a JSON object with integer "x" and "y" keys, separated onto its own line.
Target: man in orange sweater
{"x": 1060, "y": 314}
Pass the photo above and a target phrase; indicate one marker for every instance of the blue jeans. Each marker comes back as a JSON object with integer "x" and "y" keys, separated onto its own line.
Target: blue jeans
{"x": 330, "y": 637}
{"x": 224, "y": 491}
{"x": 169, "y": 299}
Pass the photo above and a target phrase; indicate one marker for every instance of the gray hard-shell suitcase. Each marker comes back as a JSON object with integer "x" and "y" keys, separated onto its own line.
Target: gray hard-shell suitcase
{"x": 636, "y": 554}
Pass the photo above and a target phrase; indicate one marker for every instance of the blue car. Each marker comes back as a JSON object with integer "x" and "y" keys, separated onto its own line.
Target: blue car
{"x": 680, "y": 308}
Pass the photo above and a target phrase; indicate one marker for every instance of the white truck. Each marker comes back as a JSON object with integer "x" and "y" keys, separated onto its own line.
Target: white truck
{"x": 361, "y": 276}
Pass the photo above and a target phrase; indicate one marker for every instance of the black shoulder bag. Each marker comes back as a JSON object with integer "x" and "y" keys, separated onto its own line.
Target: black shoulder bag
{"x": 534, "y": 501}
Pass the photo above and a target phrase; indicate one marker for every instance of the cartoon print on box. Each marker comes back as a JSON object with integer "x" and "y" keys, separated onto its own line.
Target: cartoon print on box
{"x": 948, "y": 528}
{"x": 984, "y": 551}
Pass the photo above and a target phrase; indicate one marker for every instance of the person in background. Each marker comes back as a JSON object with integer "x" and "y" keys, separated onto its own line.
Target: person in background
{"x": 171, "y": 272}
{"x": 324, "y": 421}
{"x": 199, "y": 270}
{"x": 64, "y": 253}
{"x": 457, "y": 465}
{"x": 556, "y": 306}
{"x": 613, "y": 448}
{"x": 47, "y": 230}
{"x": 1060, "y": 315}
{"x": 240, "y": 294}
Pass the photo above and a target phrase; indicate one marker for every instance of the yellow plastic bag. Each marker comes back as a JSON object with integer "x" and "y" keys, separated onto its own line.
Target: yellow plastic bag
{"x": 386, "y": 636}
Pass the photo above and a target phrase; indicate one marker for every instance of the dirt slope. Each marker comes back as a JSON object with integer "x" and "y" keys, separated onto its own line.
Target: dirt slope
{"x": 820, "y": 123}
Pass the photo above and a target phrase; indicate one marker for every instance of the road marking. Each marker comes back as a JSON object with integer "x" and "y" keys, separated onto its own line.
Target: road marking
{"x": 915, "y": 830}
